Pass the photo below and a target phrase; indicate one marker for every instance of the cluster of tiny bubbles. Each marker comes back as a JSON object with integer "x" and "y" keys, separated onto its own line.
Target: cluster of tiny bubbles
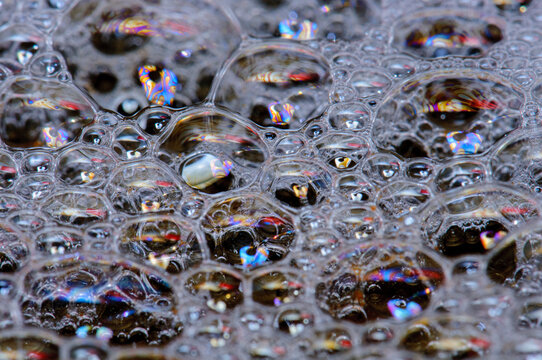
{"x": 270, "y": 179}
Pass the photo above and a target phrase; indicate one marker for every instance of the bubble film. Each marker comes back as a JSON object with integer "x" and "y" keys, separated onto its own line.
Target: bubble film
{"x": 270, "y": 179}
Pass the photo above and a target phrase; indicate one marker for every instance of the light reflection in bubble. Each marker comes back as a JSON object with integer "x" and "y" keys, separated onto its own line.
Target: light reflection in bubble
{"x": 512, "y": 5}
{"x": 402, "y": 310}
{"x": 437, "y": 34}
{"x": 277, "y": 72}
{"x": 298, "y": 30}
{"x": 54, "y": 138}
{"x": 281, "y": 113}
{"x": 144, "y": 27}
{"x": 284, "y": 78}
{"x": 220, "y": 290}
{"x": 113, "y": 295}
{"x": 248, "y": 232}
{"x": 163, "y": 241}
{"x": 448, "y": 337}
{"x": 464, "y": 144}
{"x": 259, "y": 258}
{"x": 38, "y": 113}
{"x": 161, "y": 92}
{"x": 207, "y": 173}
{"x": 450, "y": 113}
{"x": 475, "y": 219}
{"x": 302, "y": 222}
{"x": 29, "y": 344}
{"x": 377, "y": 281}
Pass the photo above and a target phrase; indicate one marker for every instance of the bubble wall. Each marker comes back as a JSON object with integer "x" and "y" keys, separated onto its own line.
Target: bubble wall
{"x": 270, "y": 179}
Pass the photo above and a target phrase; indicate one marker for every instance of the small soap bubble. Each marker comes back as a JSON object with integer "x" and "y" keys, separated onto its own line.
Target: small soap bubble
{"x": 48, "y": 65}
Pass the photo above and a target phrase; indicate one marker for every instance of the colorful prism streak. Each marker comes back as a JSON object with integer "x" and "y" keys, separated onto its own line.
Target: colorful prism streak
{"x": 292, "y": 29}
{"x": 257, "y": 259}
{"x": 281, "y": 114}
{"x": 278, "y": 77}
{"x": 464, "y": 144}
{"x": 52, "y": 140}
{"x": 143, "y": 27}
{"x": 161, "y": 93}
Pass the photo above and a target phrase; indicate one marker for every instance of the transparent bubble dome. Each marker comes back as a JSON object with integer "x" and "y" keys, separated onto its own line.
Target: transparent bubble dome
{"x": 270, "y": 179}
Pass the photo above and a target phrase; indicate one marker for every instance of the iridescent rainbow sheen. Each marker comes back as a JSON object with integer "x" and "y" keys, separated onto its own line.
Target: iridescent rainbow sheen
{"x": 402, "y": 309}
{"x": 292, "y": 29}
{"x": 129, "y": 26}
{"x": 447, "y": 41}
{"x": 460, "y": 104}
{"x": 257, "y": 259}
{"x": 402, "y": 275}
{"x": 45, "y": 103}
{"x": 54, "y": 141}
{"x": 490, "y": 238}
{"x": 143, "y": 27}
{"x": 42, "y": 103}
{"x": 281, "y": 114}
{"x": 464, "y": 144}
{"x": 220, "y": 169}
{"x": 278, "y": 77}
{"x": 161, "y": 93}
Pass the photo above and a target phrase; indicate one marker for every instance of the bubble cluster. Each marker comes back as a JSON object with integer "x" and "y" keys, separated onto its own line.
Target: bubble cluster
{"x": 270, "y": 179}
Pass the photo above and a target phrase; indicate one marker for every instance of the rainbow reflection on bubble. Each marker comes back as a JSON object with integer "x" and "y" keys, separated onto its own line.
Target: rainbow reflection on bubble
{"x": 464, "y": 100}
{"x": 451, "y": 36}
{"x": 259, "y": 258}
{"x": 279, "y": 77}
{"x": 143, "y": 27}
{"x": 490, "y": 238}
{"x": 448, "y": 41}
{"x": 462, "y": 143}
{"x": 53, "y": 140}
{"x": 220, "y": 169}
{"x": 402, "y": 309}
{"x": 161, "y": 93}
{"x": 398, "y": 274}
{"x": 102, "y": 333}
{"x": 281, "y": 114}
{"x": 292, "y": 29}
{"x": 49, "y": 104}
